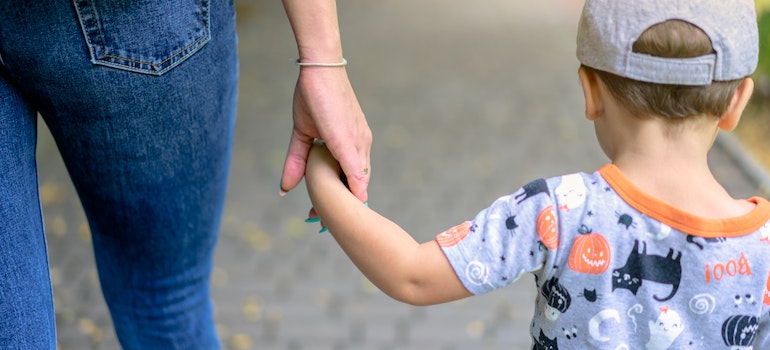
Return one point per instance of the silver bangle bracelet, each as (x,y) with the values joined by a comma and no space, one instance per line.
(316,64)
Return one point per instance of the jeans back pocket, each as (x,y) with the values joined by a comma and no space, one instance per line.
(145,36)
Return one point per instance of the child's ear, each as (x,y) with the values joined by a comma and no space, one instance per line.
(589,83)
(729,120)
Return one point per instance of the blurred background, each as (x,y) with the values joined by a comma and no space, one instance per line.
(467,102)
(754,130)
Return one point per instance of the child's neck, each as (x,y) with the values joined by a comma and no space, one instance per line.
(675,170)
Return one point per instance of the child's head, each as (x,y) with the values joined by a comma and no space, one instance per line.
(669,58)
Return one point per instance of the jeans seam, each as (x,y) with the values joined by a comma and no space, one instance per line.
(154,64)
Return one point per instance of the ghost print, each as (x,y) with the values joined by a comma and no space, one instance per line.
(571,192)
(665,329)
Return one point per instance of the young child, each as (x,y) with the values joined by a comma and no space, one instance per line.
(647,252)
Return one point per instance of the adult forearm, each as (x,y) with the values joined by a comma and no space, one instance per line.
(316,29)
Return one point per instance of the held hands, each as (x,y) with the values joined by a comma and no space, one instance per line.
(325,107)
(322,175)
(321,165)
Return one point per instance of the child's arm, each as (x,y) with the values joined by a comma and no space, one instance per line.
(407,271)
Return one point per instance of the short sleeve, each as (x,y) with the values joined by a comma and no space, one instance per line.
(508,239)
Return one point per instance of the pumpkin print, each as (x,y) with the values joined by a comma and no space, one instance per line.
(590,253)
(454,235)
(546,228)
(739,331)
(766,299)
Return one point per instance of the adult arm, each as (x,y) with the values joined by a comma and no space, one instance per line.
(388,256)
(325,106)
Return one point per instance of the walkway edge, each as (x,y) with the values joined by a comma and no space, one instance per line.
(735,150)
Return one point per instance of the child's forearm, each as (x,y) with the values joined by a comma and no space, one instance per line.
(402,268)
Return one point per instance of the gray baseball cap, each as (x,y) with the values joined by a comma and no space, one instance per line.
(609,28)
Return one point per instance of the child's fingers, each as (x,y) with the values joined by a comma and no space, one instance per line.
(312,217)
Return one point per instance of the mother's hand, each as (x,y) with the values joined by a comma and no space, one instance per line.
(325,107)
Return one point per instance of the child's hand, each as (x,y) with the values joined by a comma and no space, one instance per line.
(322,170)
(321,164)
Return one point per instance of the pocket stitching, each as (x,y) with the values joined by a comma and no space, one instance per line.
(109,59)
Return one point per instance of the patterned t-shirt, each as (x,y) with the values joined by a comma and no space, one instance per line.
(618,269)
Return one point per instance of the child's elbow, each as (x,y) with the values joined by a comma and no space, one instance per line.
(411,299)
(421,302)
(414,294)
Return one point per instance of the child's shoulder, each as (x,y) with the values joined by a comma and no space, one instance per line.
(571,186)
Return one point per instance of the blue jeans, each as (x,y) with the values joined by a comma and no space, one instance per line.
(140,97)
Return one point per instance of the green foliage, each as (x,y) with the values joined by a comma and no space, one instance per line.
(762,5)
(763,22)
(762,75)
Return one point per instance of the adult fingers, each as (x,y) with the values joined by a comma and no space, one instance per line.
(355,163)
(296,159)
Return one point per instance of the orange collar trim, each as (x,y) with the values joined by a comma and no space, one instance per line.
(682,220)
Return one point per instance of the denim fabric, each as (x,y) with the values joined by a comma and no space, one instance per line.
(170,31)
(139,96)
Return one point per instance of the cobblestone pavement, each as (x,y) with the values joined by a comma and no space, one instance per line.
(467,102)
